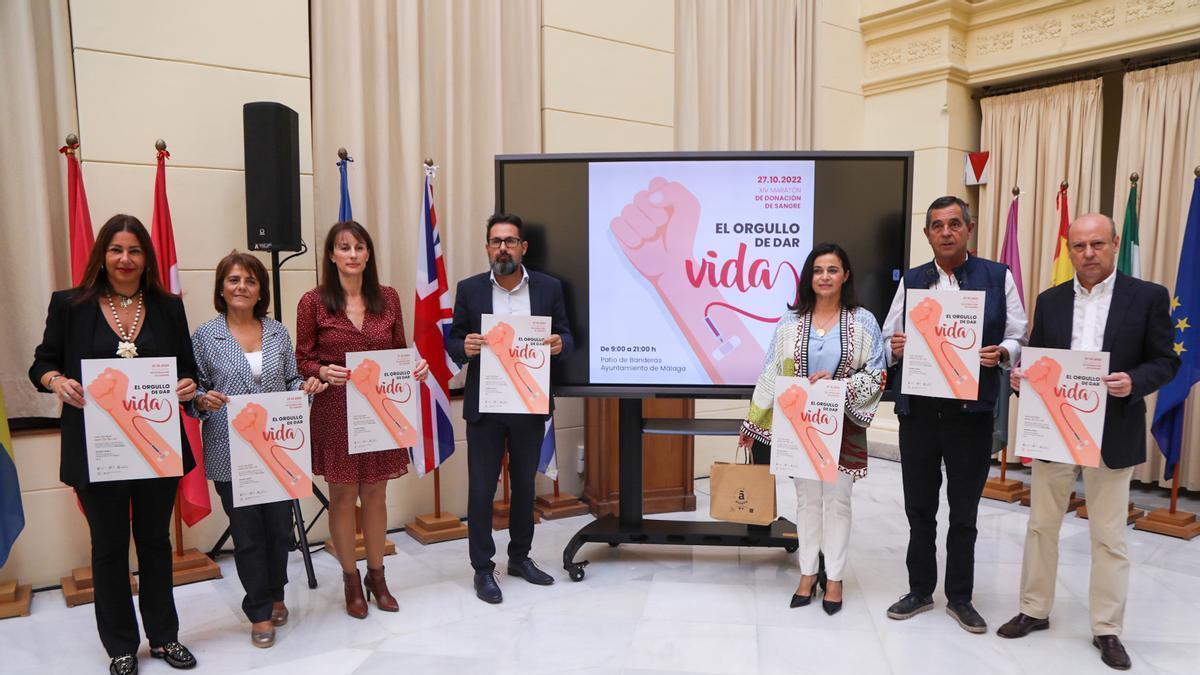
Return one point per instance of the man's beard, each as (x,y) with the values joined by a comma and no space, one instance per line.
(504,268)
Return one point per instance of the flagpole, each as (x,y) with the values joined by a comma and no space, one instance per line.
(161,146)
(432,527)
(1171,521)
(1016,192)
(429,166)
(437,494)
(188,564)
(1004,489)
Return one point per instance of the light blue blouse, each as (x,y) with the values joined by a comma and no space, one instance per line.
(824,352)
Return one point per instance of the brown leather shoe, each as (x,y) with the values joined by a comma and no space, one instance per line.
(356,604)
(1112,652)
(1021,625)
(376,583)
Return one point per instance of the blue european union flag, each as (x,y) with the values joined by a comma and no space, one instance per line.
(1185,304)
(12,515)
(344,211)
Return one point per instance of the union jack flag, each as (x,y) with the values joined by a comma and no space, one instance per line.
(432,324)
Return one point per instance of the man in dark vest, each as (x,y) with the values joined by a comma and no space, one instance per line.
(957,433)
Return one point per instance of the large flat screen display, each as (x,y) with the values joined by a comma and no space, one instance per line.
(676,267)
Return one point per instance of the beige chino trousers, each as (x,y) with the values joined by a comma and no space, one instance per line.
(1107,493)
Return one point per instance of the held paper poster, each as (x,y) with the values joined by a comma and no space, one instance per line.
(941,354)
(514,375)
(269,447)
(131,419)
(1060,416)
(710,277)
(382,408)
(806,438)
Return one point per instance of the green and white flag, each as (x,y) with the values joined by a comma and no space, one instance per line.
(1130,260)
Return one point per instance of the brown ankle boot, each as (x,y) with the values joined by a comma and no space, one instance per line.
(356,604)
(376,583)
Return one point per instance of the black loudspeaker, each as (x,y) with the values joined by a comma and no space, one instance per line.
(272,142)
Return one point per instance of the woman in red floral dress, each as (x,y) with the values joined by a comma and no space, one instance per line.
(351,312)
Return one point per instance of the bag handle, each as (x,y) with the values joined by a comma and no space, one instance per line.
(737,455)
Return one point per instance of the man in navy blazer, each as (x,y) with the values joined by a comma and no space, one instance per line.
(507,288)
(1099,310)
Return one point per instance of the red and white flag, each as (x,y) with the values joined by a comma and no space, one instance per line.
(432,325)
(80,219)
(194,503)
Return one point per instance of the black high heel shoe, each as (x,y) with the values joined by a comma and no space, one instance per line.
(803,600)
(830,606)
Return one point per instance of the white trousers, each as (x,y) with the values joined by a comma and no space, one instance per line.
(823,524)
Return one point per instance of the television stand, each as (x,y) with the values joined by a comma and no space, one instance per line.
(629,527)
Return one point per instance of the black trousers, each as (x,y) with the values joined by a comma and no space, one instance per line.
(486,441)
(262,535)
(938,432)
(107,507)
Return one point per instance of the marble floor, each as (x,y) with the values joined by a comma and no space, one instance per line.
(659,609)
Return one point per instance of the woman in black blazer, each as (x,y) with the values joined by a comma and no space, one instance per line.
(120,309)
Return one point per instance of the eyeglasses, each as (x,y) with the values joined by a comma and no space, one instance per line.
(511,242)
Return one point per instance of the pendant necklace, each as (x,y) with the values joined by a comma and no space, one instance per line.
(126,348)
(828,324)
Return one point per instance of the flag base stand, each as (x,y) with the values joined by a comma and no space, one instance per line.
(432,528)
(77,589)
(553,506)
(1005,490)
(500,509)
(360,547)
(15,599)
(1131,516)
(1181,524)
(1073,503)
(191,566)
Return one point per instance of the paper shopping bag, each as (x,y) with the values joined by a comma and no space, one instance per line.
(742,493)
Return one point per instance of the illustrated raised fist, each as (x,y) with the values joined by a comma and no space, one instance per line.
(365,377)
(500,338)
(1043,376)
(925,315)
(251,423)
(792,401)
(657,230)
(109,389)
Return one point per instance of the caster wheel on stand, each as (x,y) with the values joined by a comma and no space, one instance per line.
(576,572)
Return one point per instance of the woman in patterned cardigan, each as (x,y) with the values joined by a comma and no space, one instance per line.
(243,351)
(826,335)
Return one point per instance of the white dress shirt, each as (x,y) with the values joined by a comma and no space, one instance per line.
(1014,324)
(1091,314)
(514,302)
